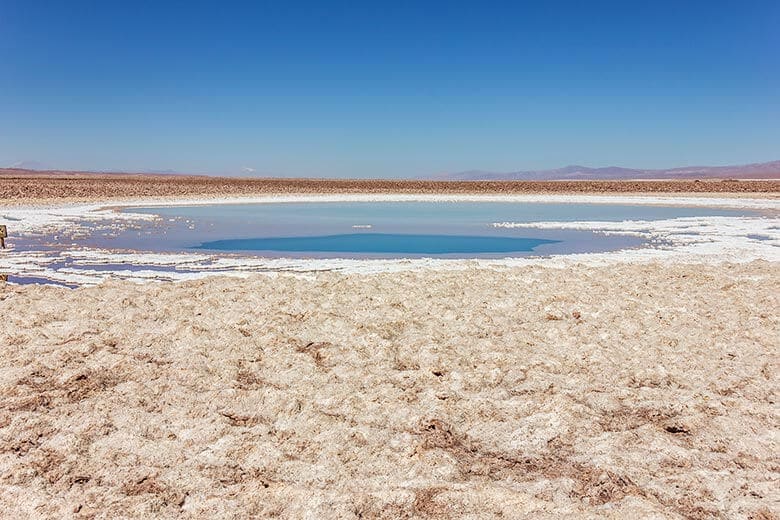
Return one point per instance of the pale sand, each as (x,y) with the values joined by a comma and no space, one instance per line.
(624,391)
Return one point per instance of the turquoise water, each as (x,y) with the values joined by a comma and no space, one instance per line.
(383,243)
(227,234)
(390,229)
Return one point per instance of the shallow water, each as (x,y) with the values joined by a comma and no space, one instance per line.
(187,242)
(390,229)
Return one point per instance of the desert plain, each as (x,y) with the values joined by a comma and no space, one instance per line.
(633,390)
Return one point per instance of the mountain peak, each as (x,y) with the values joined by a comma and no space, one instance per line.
(767,170)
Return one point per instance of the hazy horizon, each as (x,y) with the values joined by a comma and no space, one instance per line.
(709,170)
(393,91)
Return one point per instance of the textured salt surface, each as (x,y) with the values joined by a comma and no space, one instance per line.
(628,391)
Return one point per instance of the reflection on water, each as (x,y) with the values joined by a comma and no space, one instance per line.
(243,236)
(307,229)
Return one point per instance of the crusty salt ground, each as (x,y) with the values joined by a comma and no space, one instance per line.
(625,391)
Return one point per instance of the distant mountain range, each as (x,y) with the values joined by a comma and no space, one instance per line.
(43,167)
(29,165)
(36,166)
(767,170)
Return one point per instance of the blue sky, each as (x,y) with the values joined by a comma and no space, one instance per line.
(387,89)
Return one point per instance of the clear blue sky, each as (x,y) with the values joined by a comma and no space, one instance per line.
(379,89)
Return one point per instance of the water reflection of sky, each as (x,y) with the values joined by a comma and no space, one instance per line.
(362,230)
(182,228)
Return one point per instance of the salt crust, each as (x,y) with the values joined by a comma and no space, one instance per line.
(634,390)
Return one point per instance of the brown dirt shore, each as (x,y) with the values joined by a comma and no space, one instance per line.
(20,186)
(631,391)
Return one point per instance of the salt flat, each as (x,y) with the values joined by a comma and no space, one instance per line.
(637,383)
(619,391)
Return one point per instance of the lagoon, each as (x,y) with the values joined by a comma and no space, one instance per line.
(391,229)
